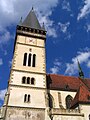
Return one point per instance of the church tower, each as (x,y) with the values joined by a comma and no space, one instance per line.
(25,97)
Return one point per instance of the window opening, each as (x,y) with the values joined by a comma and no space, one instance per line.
(34,60)
(32,81)
(68,101)
(29,60)
(25,98)
(28,98)
(28,80)
(24,80)
(25,59)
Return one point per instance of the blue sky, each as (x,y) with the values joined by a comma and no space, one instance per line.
(68,35)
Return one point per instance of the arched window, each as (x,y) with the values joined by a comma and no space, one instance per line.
(28,80)
(28,98)
(69,99)
(34,60)
(32,81)
(25,98)
(25,59)
(24,80)
(29,59)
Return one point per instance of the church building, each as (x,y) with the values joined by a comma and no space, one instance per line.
(32,94)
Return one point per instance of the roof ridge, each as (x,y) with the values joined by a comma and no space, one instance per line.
(79,97)
(84,83)
(31,21)
(63,75)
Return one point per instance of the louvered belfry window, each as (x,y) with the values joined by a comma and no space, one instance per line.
(29,60)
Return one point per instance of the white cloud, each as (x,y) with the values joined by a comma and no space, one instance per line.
(56,67)
(66,5)
(12,10)
(83,57)
(10,63)
(85,10)
(88,27)
(64,27)
(2,94)
(5,52)
(1,61)
(48,24)
(5,37)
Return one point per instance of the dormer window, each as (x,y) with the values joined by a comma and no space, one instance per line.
(67,87)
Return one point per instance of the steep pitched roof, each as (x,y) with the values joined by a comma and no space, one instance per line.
(68,83)
(31,21)
(82,96)
(63,82)
(60,82)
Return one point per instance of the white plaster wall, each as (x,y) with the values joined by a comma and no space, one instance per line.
(16,79)
(54,93)
(86,110)
(27,40)
(64,94)
(19,55)
(37,97)
(68,117)
(55,96)
(25,114)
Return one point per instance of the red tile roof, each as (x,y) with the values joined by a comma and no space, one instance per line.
(82,96)
(68,83)
(60,82)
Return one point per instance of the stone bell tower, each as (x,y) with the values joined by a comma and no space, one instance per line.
(25,97)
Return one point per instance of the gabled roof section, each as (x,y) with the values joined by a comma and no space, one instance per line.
(82,96)
(31,21)
(67,83)
(60,82)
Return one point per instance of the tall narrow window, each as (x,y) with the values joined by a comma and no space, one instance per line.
(24,80)
(34,60)
(69,99)
(28,98)
(29,60)
(25,98)
(28,80)
(32,81)
(25,59)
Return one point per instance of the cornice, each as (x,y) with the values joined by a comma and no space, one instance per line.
(30,45)
(20,86)
(28,34)
(28,71)
(20,108)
